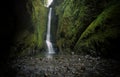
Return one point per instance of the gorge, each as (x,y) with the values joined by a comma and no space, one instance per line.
(86,34)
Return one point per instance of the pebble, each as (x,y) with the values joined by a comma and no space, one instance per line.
(69,66)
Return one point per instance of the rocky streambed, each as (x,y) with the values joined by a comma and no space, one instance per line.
(66,66)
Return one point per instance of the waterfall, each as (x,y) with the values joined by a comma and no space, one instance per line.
(48,3)
(48,41)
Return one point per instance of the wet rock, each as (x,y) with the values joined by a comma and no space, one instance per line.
(46,75)
(64,66)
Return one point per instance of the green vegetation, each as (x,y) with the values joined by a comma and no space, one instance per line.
(84,26)
(96,36)
(74,18)
(39,18)
(31,28)
(88,26)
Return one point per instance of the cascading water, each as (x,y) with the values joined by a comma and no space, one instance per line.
(48,41)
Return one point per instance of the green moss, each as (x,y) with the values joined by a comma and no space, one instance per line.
(104,27)
(88,26)
(74,18)
(30,34)
(99,22)
(39,18)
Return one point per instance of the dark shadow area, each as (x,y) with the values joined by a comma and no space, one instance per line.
(12,14)
(7,30)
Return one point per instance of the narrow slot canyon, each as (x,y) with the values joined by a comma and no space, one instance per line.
(60,38)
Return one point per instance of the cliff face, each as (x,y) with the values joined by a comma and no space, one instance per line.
(89,26)
(23,24)
(82,26)
(31,17)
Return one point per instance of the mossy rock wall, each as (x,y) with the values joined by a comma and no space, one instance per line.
(31,17)
(89,26)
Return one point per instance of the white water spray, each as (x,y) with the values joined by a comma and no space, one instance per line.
(48,41)
(48,3)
